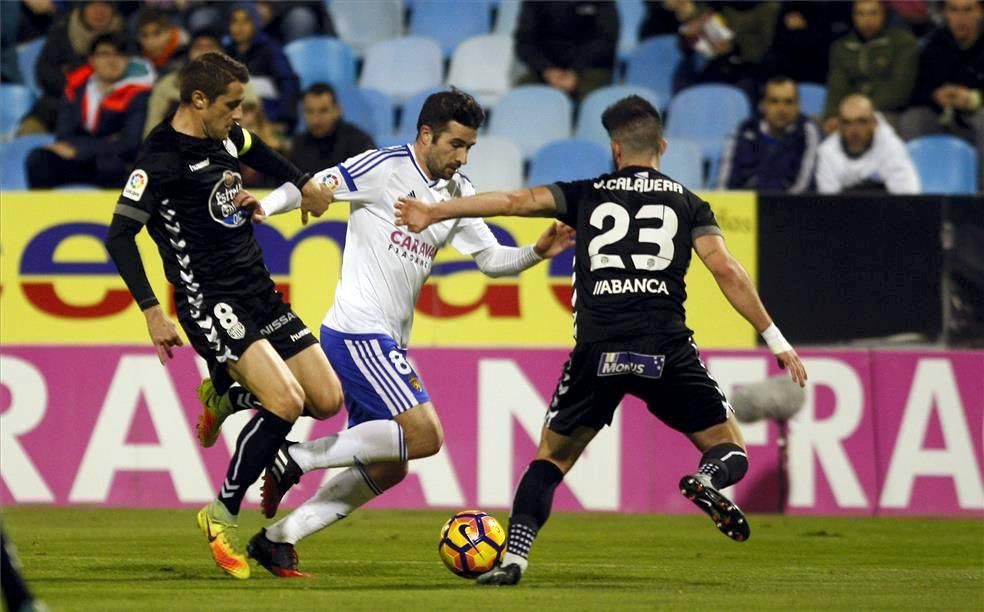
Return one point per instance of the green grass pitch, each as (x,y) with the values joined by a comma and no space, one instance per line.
(81,559)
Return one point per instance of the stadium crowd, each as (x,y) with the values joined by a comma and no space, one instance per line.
(895,87)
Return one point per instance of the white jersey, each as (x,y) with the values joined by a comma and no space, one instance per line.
(385,266)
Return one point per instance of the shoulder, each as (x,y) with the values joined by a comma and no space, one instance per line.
(351,130)
(375,160)
(901,36)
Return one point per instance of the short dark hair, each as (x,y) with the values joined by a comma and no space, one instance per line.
(211,74)
(445,106)
(780,79)
(634,123)
(116,39)
(321,89)
(149,15)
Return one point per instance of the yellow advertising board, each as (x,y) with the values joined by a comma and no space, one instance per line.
(58,285)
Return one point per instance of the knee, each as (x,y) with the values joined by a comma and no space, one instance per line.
(425,441)
(288,403)
(326,402)
(36,168)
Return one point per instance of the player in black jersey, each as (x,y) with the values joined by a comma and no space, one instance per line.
(187,188)
(635,231)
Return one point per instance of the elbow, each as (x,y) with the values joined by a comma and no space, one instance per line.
(729,273)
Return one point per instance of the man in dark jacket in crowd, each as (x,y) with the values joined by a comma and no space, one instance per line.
(568,45)
(776,152)
(100,120)
(329,139)
(270,72)
(950,84)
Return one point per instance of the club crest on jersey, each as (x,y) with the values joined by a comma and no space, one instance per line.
(635,364)
(135,185)
(222,201)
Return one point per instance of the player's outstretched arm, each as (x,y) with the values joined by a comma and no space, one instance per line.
(736,285)
(502,260)
(531,202)
(122,246)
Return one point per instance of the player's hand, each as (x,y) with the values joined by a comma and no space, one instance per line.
(245,199)
(163,333)
(554,240)
(790,361)
(414,214)
(315,199)
(62,150)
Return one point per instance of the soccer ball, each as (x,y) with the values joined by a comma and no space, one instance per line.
(471,543)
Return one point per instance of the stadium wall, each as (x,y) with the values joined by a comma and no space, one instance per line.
(88,416)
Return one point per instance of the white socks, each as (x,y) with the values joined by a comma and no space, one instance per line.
(514,559)
(369,442)
(333,502)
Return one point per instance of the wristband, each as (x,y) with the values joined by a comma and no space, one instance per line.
(773,337)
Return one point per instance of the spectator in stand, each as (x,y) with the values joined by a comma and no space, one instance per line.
(776,152)
(661,19)
(256,122)
(804,33)
(289,20)
(874,60)
(99,121)
(725,42)
(166,96)
(865,154)
(66,49)
(161,43)
(269,71)
(568,45)
(329,139)
(948,92)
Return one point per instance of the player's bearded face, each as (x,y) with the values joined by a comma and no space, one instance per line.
(221,113)
(448,150)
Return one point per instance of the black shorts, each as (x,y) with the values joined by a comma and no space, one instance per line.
(666,373)
(225,326)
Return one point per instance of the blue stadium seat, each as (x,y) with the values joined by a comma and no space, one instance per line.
(506,17)
(812,98)
(27,59)
(13,175)
(569,160)
(588,124)
(495,164)
(631,13)
(15,101)
(407,132)
(483,66)
(531,116)
(360,27)
(321,59)
(946,164)
(400,67)
(684,163)
(448,22)
(652,63)
(369,109)
(706,114)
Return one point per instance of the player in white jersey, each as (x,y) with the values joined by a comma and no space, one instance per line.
(366,331)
